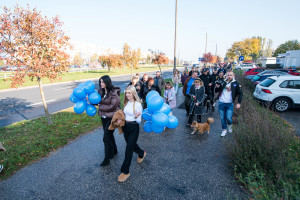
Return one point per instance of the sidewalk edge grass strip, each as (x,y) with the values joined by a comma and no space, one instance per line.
(264,150)
(73,76)
(29,141)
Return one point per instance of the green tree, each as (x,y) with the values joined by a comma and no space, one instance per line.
(287,46)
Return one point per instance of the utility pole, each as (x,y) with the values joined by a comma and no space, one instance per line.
(206,43)
(205,50)
(175,37)
(216,49)
(178,57)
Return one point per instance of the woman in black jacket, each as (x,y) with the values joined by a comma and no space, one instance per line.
(146,88)
(197,94)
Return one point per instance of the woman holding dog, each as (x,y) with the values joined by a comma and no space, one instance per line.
(132,110)
(109,104)
(197,93)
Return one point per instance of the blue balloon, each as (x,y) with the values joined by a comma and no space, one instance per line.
(94,98)
(147,127)
(160,119)
(146,115)
(81,85)
(155,103)
(165,109)
(151,94)
(89,87)
(79,93)
(80,107)
(91,110)
(74,99)
(157,129)
(173,122)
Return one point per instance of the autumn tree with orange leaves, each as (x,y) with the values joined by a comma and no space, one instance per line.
(159,58)
(208,57)
(111,61)
(27,38)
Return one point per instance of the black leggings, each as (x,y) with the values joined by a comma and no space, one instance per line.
(131,133)
(187,103)
(110,147)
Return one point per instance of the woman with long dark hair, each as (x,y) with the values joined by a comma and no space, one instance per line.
(110,103)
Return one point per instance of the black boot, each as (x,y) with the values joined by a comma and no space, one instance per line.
(105,162)
(199,118)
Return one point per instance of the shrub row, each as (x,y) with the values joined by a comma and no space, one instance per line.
(264,150)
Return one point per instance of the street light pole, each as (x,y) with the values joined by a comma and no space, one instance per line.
(175,37)
(206,43)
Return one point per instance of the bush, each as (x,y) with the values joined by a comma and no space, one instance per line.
(264,151)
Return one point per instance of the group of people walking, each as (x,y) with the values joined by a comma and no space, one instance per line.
(203,88)
(198,86)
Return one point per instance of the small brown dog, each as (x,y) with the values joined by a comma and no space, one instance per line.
(201,128)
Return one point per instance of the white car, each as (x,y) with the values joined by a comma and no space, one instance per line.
(245,66)
(279,92)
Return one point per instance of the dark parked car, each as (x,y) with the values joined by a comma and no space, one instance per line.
(259,78)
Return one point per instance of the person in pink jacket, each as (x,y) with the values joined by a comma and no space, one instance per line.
(169,95)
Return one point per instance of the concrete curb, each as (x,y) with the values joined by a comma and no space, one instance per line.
(60,83)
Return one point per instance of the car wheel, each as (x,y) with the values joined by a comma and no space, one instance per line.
(282,104)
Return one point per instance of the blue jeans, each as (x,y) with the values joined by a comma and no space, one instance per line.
(226,112)
(176,88)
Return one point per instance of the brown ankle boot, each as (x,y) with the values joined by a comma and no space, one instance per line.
(123,177)
(140,160)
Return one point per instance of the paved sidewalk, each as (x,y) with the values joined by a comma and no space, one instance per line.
(178,166)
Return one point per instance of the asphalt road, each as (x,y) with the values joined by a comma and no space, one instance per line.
(178,165)
(26,103)
(293,117)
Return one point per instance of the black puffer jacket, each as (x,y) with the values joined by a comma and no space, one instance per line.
(145,90)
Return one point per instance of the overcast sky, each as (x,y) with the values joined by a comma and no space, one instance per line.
(149,24)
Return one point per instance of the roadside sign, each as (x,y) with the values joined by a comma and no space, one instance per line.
(241,58)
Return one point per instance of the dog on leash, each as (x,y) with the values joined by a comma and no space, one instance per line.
(202,127)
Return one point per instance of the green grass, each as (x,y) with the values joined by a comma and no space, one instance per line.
(28,141)
(72,76)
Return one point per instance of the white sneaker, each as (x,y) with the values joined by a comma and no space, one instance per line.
(224,132)
(229,128)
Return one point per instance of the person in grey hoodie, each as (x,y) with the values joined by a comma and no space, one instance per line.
(159,81)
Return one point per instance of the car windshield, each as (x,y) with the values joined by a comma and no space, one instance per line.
(267,82)
(256,78)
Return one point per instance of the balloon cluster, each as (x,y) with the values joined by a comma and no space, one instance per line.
(157,115)
(79,98)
